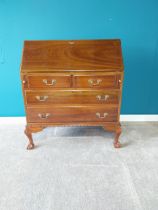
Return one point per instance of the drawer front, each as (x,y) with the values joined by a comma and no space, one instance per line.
(72,97)
(108,81)
(71,114)
(49,81)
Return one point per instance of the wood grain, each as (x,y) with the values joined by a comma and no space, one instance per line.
(60,81)
(71,114)
(71,97)
(72,83)
(109,81)
(67,55)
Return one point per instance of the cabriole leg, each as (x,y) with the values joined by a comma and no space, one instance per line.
(117,135)
(29,135)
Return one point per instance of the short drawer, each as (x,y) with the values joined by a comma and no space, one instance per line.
(71,97)
(62,114)
(49,81)
(107,81)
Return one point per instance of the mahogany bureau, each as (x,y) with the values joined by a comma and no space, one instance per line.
(72,83)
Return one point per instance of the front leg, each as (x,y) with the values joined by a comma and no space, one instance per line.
(118,133)
(28,131)
(114,128)
(29,135)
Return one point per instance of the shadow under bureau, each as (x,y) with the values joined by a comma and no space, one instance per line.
(72,83)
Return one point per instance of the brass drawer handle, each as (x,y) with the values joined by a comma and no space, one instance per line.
(53,82)
(41,98)
(93,82)
(100,116)
(43,116)
(102,97)
(71,42)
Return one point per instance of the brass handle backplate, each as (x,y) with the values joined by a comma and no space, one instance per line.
(41,98)
(102,97)
(95,82)
(43,116)
(51,83)
(99,115)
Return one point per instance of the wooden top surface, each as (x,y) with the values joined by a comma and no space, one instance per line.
(81,55)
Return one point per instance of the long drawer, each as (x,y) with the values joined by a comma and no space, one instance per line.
(71,114)
(71,97)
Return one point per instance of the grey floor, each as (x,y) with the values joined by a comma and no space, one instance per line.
(78,169)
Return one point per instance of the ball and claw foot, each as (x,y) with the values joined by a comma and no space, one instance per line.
(30,146)
(28,133)
(117,144)
(116,141)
